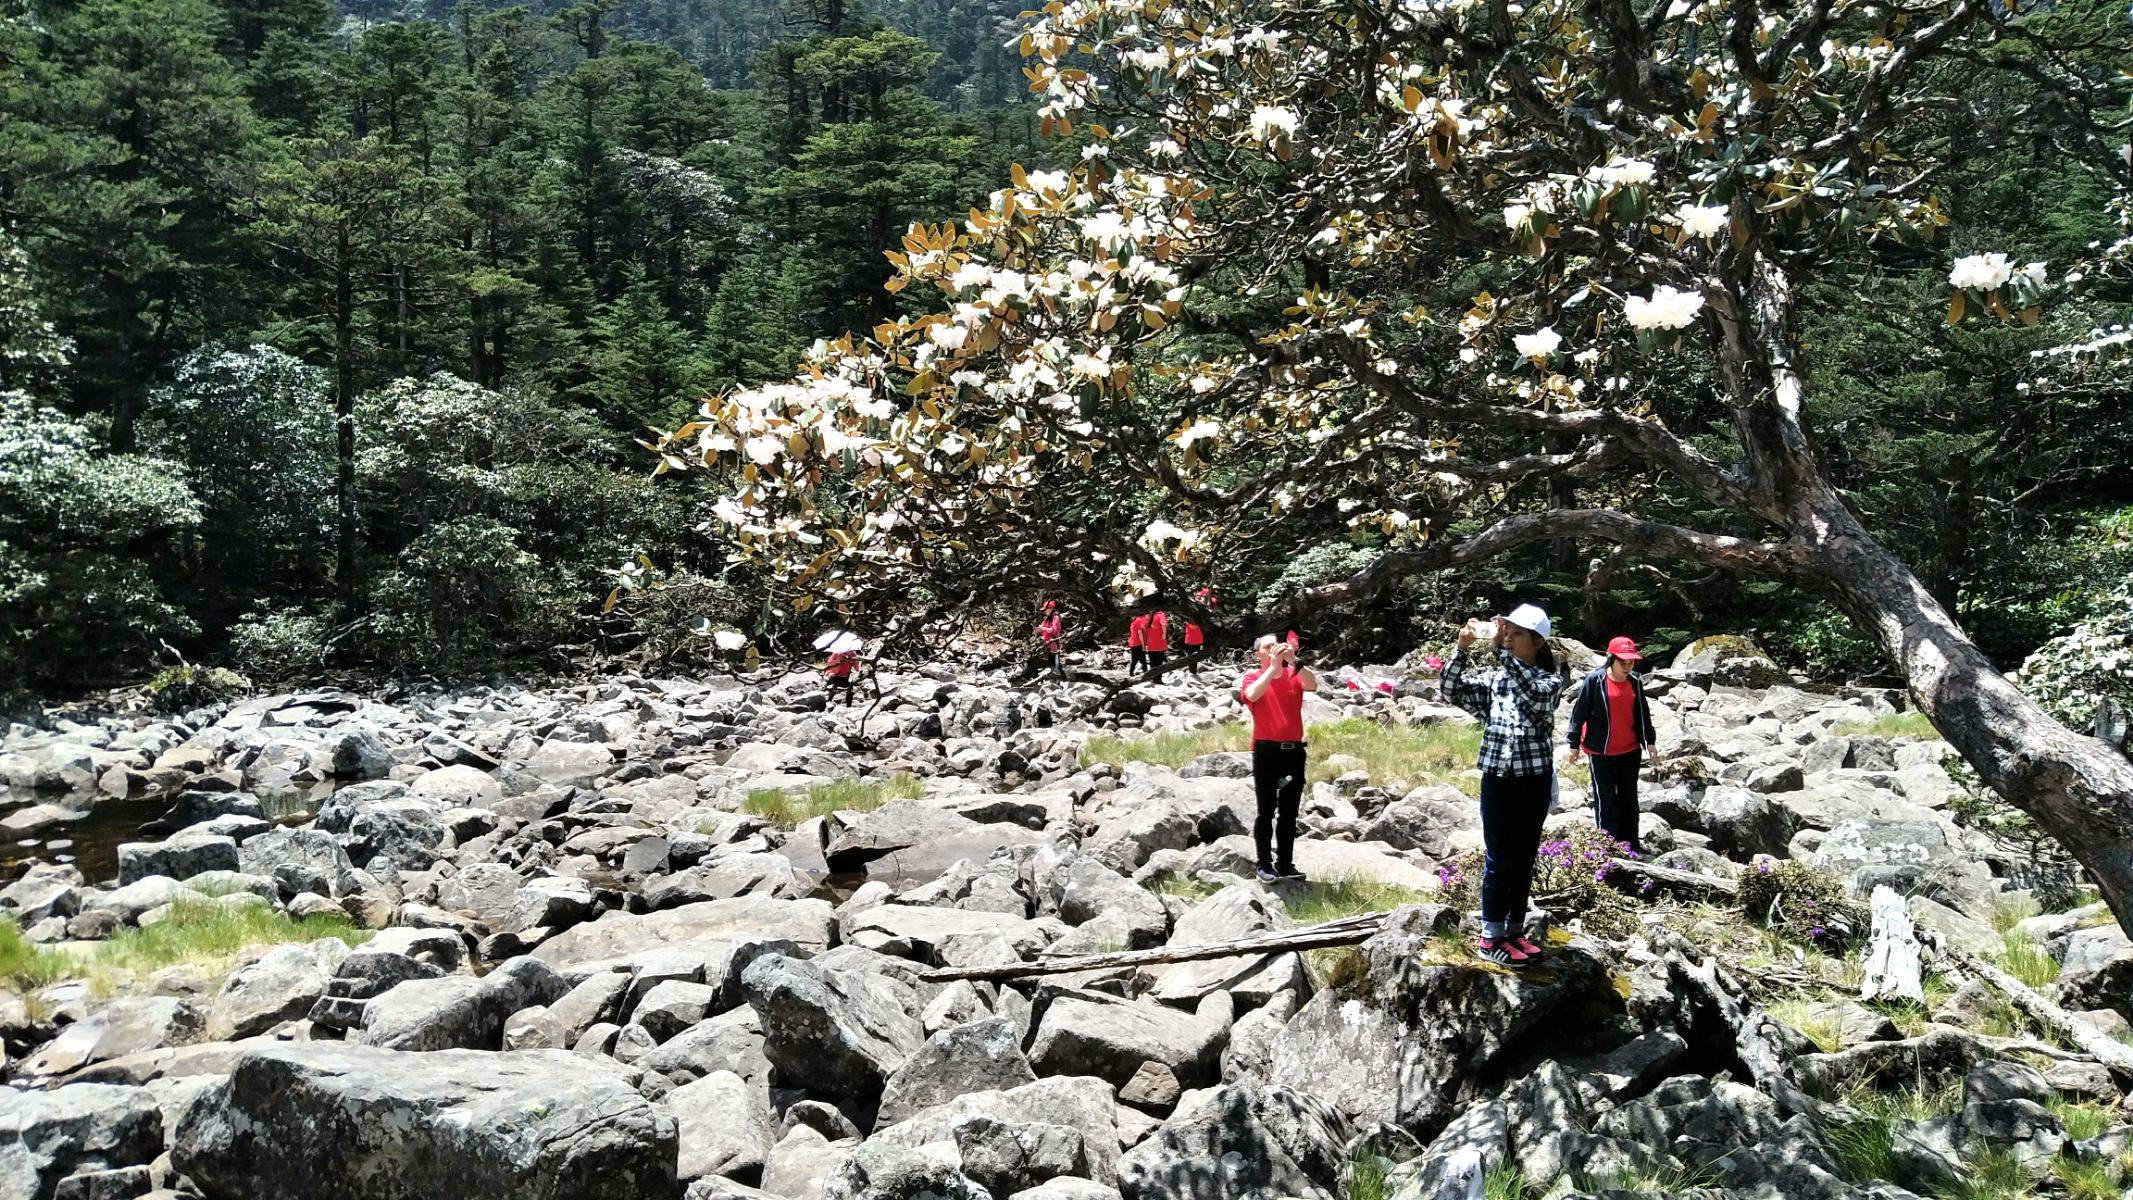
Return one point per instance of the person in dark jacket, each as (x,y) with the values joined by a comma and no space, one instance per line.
(1611,721)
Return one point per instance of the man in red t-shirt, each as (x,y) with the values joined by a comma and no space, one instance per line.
(1194,636)
(1155,638)
(1274,694)
(1137,642)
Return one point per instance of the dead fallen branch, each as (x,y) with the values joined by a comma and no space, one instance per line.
(2087,1038)
(1686,881)
(1347,931)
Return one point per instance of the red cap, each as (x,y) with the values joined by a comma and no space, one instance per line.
(1624,649)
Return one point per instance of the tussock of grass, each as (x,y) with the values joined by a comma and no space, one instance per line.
(2091,1180)
(1911,724)
(1170,883)
(1397,757)
(1866,1148)
(26,966)
(1664,1182)
(209,935)
(2027,961)
(2010,911)
(1818,1026)
(1994,1175)
(1323,900)
(785,810)
(1505,1182)
(2083,1119)
(1365,1177)
(197,932)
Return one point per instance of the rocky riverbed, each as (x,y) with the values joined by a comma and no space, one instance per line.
(665,938)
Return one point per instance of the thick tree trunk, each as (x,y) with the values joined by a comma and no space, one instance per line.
(2079,789)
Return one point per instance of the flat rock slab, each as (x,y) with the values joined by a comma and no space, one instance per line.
(809,924)
(396,1125)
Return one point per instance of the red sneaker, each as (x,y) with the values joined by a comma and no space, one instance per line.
(1502,952)
(1531,948)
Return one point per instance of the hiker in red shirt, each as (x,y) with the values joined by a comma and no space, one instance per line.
(1137,643)
(1274,694)
(837,672)
(1612,721)
(1050,632)
(1195,638)
(1155,639)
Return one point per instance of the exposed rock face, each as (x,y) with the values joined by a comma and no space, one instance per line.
(392,1125)
(56,1143)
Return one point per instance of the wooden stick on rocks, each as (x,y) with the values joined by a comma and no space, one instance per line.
(1347,931)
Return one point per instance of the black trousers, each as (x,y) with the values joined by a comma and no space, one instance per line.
(1278,779)
(1155,661)
(1512,810)
(1140,658)
(841,683)
(1614,791)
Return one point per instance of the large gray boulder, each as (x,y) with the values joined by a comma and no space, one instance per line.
(282,984)
(127,1025)
(179,857)
(1407,1044)
(1241,1142)
(1237,911)
(725,1127)
(877,1172)
(1088,888)
(73,1133)
(801,1161)
(458,1011)
(981,1056)
(840,1034)
(1739,822)
(299,860)
(1091,1033)
(725,876)
(1082,1103)
(809,924)
(389,1125)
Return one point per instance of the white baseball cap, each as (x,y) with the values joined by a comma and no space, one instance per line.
(1530,616)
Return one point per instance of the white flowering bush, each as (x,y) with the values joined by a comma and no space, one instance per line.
(2074,673)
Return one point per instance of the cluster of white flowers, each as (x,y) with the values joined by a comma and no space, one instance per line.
(1270,119)
(1981,272)
(1539,344)
(1624,172)
(1665,308)
(730,640)
(1203,429)
(1702,220)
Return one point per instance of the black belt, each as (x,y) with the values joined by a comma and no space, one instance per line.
(1280,745)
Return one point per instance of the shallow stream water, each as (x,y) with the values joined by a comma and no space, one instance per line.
(91,842)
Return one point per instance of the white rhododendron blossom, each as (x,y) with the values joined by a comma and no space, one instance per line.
(730,640)
(1270,119)
(764,449)
(1515,216)
(1699,220)
(1624,172)
(1981,272)
(1539,344)
(1665,308)
(948,337)
(1200,430)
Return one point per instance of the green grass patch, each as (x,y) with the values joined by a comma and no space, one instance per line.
(26,966)
(1812,1021)
(1323,900)
(1865,1148)
(2083,1119)
(2010,911)
(206,934)
(1505,1182)
(1170,883)
(1365,1177)
(1912,724)
(2027,961)
(1994,1175)
(2090,1180)
(1397,757)
(786,810)
(1663,1182)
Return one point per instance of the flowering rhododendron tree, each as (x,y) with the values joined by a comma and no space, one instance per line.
(1443,269)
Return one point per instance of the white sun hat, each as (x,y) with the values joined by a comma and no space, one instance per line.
(1530,616)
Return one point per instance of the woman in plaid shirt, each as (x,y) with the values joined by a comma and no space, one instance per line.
(1515,700)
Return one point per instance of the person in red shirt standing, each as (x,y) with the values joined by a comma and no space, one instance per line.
(1195,637)
(1274,694)
(1612,722)
(837,672)
(1051,631)
(1155,638)
(1137,643)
